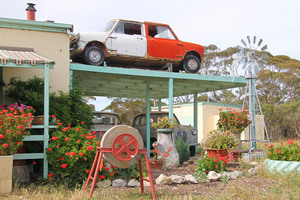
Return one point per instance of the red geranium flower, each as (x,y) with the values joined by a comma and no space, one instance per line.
(1,136)
(34,162)
(49,149)
(87,171)
(73,153)
(64,166)
(66,139)
(81,154)
(89,148)
(54,138)
(50,174)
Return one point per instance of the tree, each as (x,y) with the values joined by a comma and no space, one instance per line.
(127,108)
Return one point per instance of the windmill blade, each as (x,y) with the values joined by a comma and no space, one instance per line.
(254,39)
(264,48)
(235,63)
(249,41)
(243,41)
(240,54)
(240,48)
(260,41)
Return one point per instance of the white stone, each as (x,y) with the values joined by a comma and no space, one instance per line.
(177,179)
(254,163)
(213,176)
(190,178)
(235,174)
(103,184)
(119,183)
(133,183)
(186,163)
(226,174)
(163,180)
(146,183)
(253,171)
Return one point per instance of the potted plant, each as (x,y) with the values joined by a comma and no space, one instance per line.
(219,142)
(165,125)
(14,120)
(165,128)
(233,121)
(283,158)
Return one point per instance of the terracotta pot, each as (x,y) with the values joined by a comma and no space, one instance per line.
(217,152)
(156,164)
(38,120)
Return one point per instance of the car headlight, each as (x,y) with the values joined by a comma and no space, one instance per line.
(194,132)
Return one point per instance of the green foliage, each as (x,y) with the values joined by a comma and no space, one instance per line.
(218,139)
(233,121)
(71,153)
(13,123)
(290,151)
(164,123)
(283,120)
(131,172)
(206,164)
(183,150)
(70,108)
(30,92)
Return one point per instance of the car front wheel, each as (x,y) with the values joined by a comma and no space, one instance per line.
(191,64)
(93,56)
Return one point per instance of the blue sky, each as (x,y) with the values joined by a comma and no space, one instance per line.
(220,22)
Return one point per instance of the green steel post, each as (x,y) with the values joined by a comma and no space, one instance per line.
(46,118)
(71,80)
(159,105)
(252,112)
(196,110)
(1,87)
(148,116)
(171,98)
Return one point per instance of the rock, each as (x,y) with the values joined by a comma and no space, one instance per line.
(235,174)
(213,176)
(177,179)
(163,180)
(185,163)
(252,171)
(103,184)
(146,184)
(119,183)
(254,163)
(190,178)
(133,183)
(226,174)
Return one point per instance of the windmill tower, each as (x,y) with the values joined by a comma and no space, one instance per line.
(252,58)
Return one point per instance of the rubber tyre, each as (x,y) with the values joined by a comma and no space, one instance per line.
(191,64)
(93,56)
(192,151)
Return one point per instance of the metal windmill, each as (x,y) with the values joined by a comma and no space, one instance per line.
(252,58)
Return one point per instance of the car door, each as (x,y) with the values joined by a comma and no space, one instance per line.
(163,44)
(128,38)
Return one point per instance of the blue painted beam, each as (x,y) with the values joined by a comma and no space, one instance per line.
(171,98)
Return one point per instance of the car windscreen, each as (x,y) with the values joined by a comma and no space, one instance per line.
(154,117)
(106,119)
(109,26)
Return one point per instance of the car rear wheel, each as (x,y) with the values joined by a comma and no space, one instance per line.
(93,56)
(191,64)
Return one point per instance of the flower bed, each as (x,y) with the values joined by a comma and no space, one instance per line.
(285,157)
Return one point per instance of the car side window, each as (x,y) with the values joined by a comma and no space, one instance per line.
(160,32)
(136,121)
(143,120)
(128,28)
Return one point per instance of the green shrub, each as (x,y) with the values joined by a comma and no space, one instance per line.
(71,153)
(183,150)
